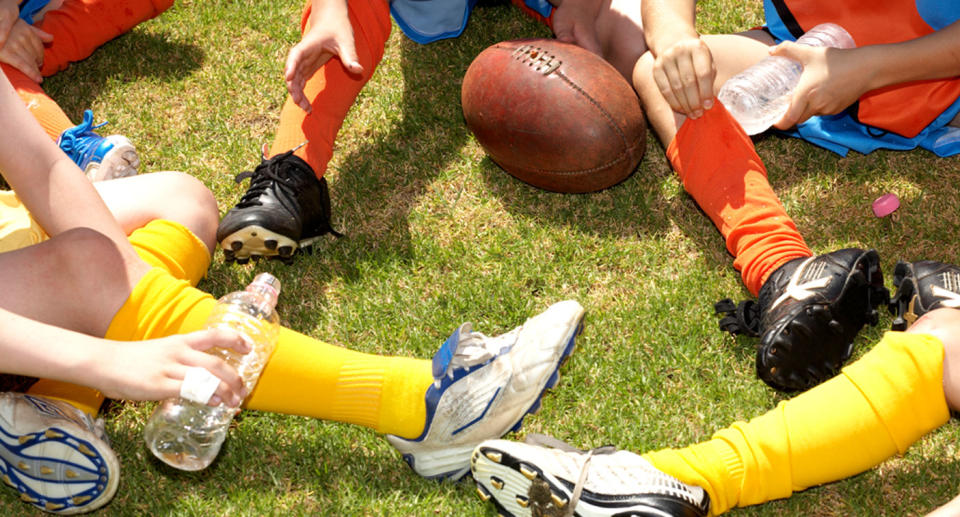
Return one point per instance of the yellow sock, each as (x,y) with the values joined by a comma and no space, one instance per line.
(304,376)
(874,409)
(311,378)
(83,398)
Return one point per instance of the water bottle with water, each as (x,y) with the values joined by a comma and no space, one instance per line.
(187,434)
(759,96)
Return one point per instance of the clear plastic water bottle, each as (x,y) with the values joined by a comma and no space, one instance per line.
(759,96)
(188,435)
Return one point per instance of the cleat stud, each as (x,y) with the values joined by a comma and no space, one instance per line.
(285,251)
(70,474)
(528,473)
(46,471)
(243,261)
(80,499)
(50,433)
(270,244)
(495,457)
(51,507)
(25,438)
(8,481)
(523,501)
(482,492)
(27,498)
(23,466)
(86,450)
(557,500)
(496,482)
(236,245)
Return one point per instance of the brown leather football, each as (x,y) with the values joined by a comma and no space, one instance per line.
(554,115)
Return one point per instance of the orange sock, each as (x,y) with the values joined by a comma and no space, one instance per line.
(332,90)
(81,26)
(53,120)
(720,169)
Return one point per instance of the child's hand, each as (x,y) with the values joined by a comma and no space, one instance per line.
(155,369)
(832,80)
(330,36)
(23,49)
(574,21)
(684,72)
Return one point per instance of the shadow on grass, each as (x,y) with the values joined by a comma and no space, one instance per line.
(374,188)
(132,56)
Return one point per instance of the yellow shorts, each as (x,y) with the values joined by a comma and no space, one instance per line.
(161,243)
(17,227)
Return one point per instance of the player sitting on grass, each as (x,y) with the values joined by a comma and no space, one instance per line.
(901,85)
(98,291)
(905,387)
(287,205)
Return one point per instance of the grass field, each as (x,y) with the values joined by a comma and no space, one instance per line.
(437,234)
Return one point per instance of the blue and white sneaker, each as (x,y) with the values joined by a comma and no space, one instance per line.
(526,480)
(55,455)
(100,158)
(485,386)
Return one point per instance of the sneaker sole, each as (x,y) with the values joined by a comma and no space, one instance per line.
(120,162)
(464,451)
(519,488)
(808,357)
(57,469)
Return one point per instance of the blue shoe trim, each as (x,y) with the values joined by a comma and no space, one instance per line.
(82,145)
(10,455)
(484,413)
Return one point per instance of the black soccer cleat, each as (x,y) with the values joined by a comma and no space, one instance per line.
(530,480)
(807,315)
(922,287)
(285,208)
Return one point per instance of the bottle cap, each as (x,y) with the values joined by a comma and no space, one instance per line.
(886,205)
(266,285)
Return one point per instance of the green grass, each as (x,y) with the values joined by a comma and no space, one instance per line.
(436,234)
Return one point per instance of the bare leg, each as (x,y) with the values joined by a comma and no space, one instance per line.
(620,31)
(945,325)
(175,196)
(76,280)
(732,53)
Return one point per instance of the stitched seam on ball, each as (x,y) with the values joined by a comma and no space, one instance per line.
(596,104)
(581,171)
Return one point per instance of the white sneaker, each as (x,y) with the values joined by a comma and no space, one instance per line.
(55,455)
(100,158)
(485,386)
(524,479)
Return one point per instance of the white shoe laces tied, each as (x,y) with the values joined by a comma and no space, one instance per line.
(549,441)
(475,348)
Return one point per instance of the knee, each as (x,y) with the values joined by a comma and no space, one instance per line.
(643,75)
(189,202)
(944,324)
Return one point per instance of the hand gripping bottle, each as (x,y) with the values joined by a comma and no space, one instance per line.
(759,96)
(187,434)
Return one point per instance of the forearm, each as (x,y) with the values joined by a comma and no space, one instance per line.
(329,8)
(38,350)
(667,21)
(935,56)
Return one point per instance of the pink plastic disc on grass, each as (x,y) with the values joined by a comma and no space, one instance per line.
(886,205)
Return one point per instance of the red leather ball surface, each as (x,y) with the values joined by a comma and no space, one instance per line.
(554,115)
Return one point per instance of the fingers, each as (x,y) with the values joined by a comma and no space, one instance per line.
(685,76)
(231,390)
(218,338)
(796,113)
